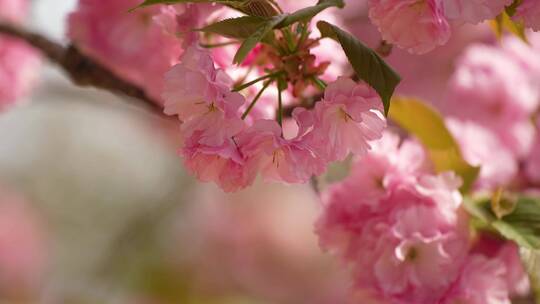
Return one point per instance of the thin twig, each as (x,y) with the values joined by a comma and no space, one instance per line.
(82,70)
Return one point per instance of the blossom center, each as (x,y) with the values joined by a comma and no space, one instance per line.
(344,115)
(276,156)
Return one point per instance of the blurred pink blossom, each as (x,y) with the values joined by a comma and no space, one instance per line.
(481,282)
(22,248)
(529,13)
(257,242)
(474,11)
(417,26)
(493,247)
(482,148)
(533,161)
(136,45)
(13,10)
(491,88)
(19,63)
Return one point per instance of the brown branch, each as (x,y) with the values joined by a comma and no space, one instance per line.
(82,70)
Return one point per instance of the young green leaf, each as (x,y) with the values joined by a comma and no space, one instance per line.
(308,13)
(366,63)
(428,126)
(239,28)
(264,29)
(522,225)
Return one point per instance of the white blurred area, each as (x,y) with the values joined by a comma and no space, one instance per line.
(119,211)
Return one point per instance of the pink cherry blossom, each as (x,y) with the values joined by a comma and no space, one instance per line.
(492,88)
(529,13)
(481,282)
(417,26)
(22,247)
(474,11)
(415,256)
(525,54)
(212,127)
(133,44)
(13,10)
(348,117)
(195,85)
(280,159)
(223,164)
(532,168)
(388,165)
(19,68)
(481,147)
(517,278)
(19,63)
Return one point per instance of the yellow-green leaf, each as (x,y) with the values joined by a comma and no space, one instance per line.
(428,126)
(504,23)
(531,261)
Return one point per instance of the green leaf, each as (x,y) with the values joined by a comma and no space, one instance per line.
(522,225)
(366,63)
(428,126)
(263,30)
(512,8)
(308,13)
(239,28)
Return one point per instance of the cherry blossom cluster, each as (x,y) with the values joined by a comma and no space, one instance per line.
(404,233)
(492,108)
(18,62)
(221,145)
(420,26)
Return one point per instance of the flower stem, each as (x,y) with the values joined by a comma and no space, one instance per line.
(216,45)
(320,83)
(303,36)
(265,86)
(246,85)
(280,107)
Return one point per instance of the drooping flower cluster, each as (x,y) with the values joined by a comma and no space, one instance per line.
(421,25)
(220,146)
(18,62)
(402,230)
(139,46)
